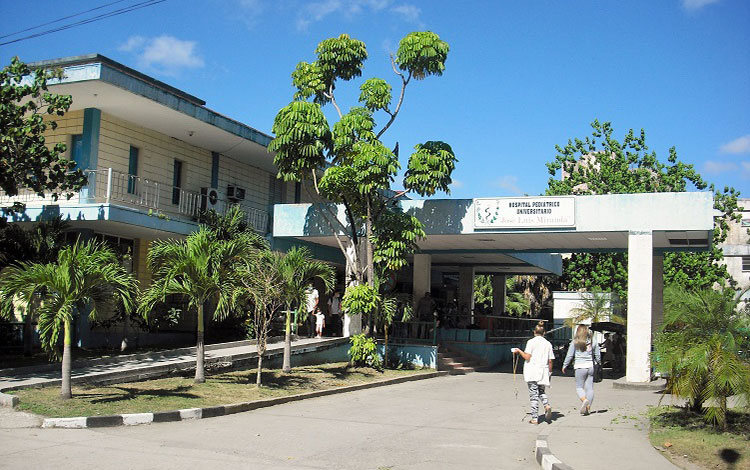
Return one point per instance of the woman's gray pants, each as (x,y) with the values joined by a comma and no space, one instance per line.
(585,384)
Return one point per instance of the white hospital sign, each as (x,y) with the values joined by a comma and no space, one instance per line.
(525,212)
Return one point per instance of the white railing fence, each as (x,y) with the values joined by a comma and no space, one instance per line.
(111,186)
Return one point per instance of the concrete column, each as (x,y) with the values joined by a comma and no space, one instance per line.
(640,289)
(657,295)
(422,276)
(498,294)
(465,289)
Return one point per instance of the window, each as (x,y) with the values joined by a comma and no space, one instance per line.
(132,169)
(176,182)
(76,148)
(746,263)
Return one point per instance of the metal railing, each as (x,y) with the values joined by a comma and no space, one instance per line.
(162,200)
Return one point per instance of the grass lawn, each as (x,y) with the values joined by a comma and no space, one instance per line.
(177,393)
(683,433)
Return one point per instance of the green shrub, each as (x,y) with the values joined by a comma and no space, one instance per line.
(364,352)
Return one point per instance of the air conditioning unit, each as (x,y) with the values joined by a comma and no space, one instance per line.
(235,193)
(210,197)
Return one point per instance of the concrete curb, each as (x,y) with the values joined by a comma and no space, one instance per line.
(152,372)
(221,410)
(657,385)
(544,456)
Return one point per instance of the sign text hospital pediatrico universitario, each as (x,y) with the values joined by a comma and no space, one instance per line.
(524,212)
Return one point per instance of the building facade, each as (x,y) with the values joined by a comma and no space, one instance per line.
(155,158)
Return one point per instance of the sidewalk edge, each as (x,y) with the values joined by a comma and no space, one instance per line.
(133,419)
(544,456)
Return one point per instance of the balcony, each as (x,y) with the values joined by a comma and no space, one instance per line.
(107,186)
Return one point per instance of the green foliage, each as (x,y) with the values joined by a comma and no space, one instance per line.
(395,235)
(600,164)
(364,352)
(430,168)
(355,126)
(28,162)
(422,54)
(375,94)
(341,57)
(360,299)
(700,345)
(353,165)
(302,140)
(596,306)
(515,302)
(40,243)
(84,274)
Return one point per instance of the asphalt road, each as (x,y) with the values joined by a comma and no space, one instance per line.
(457,422)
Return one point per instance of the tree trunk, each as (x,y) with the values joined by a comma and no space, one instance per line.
(370,268)
(200,375)
(260,367)
(65,390)
(385,347)
(124,343)
(28,333)
(287,366)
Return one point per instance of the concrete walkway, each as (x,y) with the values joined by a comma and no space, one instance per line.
(613,436)
(146,365)
(456,422)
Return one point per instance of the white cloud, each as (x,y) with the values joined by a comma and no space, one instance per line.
(456,184)
(164,53)
(509,183)
(713,167)
(693,5)
(409,13)
(746,170)
(738,145)
(133,43)
(250,11)
(317,11)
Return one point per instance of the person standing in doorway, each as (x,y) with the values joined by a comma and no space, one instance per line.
(584,351)
(334,311)
(425,311)
(312,306)
(537,370)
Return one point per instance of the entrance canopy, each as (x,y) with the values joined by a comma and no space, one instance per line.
(505,231)
(525,234)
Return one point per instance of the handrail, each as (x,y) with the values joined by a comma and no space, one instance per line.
(108,186)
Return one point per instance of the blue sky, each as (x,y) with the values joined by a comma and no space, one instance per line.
(520,78)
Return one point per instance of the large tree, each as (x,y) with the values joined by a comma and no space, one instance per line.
(83,275)
(600,164)
(348,163)
(26,161)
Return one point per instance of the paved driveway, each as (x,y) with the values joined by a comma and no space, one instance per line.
(456,422)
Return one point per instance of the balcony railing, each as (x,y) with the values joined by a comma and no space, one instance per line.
(107,186)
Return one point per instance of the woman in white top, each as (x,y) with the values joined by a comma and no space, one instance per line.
(537,368)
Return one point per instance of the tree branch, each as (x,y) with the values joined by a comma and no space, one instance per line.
(404,82)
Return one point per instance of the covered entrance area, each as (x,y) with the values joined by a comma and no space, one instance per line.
(503,236)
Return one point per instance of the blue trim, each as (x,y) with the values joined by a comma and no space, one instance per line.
(214,170)
(90,141)
(104,212)
(320,252)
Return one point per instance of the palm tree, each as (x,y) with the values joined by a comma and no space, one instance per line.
(264,287)
(202,268)
(39,244)
(298,270)
(700,346)
(84,274)
(595,307)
